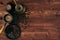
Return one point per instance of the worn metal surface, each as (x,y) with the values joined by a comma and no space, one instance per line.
(43,22)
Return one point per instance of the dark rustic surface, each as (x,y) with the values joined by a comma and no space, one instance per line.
(43,22)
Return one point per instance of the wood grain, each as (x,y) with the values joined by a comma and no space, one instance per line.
(43,22)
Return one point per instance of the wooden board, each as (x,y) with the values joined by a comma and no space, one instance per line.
(43,22)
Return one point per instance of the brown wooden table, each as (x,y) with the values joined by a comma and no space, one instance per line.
(43,22)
